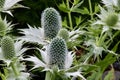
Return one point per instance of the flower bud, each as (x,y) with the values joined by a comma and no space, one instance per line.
(7,45)
(112,19)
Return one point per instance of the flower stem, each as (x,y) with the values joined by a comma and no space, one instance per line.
(91,12)
(48,77)
(14,69)
(69,15)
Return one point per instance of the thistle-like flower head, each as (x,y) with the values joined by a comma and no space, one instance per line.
(51,22)
(63,33)
(109,19)
(55,55)
(112,3)
(57,52)
(8,49)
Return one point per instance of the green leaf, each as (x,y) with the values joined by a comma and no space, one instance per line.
(77,6)
(86,67)
(95,76)
(81,11)
(2,76)
(78,20)
(109,59)
(116,47)
(63,7)
(97,9)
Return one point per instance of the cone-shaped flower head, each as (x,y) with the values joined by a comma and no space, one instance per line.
(57,52)
(51,22)
(2,27)
(111,19)
(1,4)
(7,45)
(63,33)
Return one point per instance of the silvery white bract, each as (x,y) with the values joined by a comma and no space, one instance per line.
(33,34)
(46,65)
(5,5)
(74,34)
(5,26)
(112,3)
(22,74)
(96,50)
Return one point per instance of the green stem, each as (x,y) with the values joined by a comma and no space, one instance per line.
(14,69)
(91,12)
(48,76)
(69,15)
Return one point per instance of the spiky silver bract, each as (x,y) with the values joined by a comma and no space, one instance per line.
(51,22)
(57,52)
(7,45)
(63,33)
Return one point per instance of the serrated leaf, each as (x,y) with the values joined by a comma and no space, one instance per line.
(78,20)
(81,11)
(77,6)
(63,7)
(109,59)
(95,76)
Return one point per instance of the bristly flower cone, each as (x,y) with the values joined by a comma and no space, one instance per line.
(7,45)
(63,33)
(57,52)
(51,22)
(2,27)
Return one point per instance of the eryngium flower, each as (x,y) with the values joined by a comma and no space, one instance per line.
(2,27)
(7,45)
(57,52)
(51,22)
(63,33)
(2,4)
(55,56)
(109,19)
